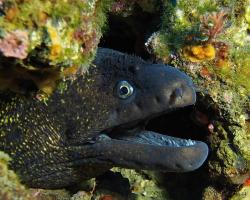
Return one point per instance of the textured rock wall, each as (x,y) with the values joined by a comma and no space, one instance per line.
(207,39)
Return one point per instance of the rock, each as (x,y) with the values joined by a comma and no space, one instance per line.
(10,187)
(67,42)
(44,42)
(242,194)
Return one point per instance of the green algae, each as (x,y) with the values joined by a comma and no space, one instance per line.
(211,193)
(247,15)
(142,186)
(41,194)
(60,37)
(226,86)
(242,194)
(184,28)
(10,187)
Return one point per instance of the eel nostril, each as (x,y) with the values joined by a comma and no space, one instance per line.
(176,95)
(139,105)
(178,92)
(178,166)
(157,99)
(118,110)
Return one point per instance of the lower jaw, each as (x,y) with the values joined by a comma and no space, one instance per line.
(142,149)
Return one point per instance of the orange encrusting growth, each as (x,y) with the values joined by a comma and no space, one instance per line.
(70,71)
(199,53)
(247,182)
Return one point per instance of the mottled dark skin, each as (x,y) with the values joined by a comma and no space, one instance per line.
(89,128)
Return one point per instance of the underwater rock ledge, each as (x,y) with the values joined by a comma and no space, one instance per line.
(209,40)
(45,42)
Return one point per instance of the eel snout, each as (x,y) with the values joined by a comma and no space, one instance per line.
(169,87)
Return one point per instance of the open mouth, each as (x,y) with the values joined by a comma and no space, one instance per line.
(152,144)
(143,132)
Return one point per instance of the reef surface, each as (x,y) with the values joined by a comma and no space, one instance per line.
(45,42)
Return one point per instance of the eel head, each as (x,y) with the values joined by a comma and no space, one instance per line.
(144,91)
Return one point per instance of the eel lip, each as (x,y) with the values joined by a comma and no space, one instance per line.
(152,151)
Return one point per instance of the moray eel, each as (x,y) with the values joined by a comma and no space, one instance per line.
(99,122)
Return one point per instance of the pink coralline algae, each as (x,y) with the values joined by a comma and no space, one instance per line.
(118,6)
(15,44)
(122,5)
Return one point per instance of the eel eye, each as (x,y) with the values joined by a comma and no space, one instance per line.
(124,90)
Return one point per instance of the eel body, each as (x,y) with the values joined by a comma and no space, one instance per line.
(99,122)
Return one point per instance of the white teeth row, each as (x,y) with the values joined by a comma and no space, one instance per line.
(102,137)
(154,139)
(172,143)
(165,141)
(179,143)
(190,142)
